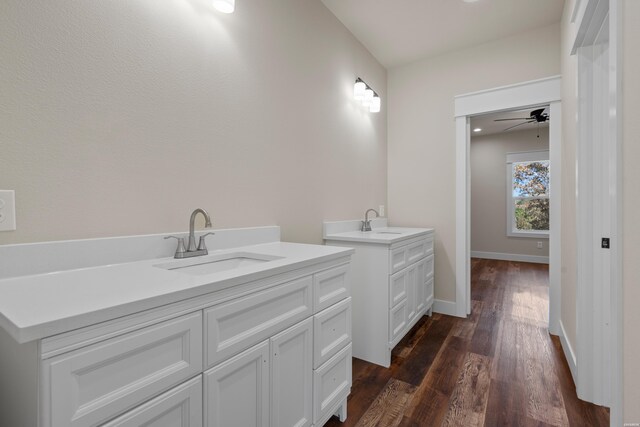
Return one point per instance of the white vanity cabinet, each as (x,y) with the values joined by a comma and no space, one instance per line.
(272,352)
(392,284)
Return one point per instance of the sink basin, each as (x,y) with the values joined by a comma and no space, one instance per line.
(216,263)
(388,232)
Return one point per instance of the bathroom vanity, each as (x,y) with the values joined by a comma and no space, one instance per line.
(392,282)
(257,333)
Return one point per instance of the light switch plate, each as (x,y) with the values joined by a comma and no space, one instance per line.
(7,210)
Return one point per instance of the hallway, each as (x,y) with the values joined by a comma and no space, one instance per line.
(498,367)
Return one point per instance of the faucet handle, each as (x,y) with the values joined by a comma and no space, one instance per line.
(180,250)
(201,244)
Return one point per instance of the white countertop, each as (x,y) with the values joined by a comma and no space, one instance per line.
(41,305)
(382,235)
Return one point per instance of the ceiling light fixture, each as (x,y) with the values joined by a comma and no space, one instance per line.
(369,98)
(225,6)
(477,130)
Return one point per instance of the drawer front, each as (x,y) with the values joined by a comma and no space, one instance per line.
(330,286)
(428,269)
(397,259)
(331,331)
(237,325)
(397,288)
(331,383)
(179,407)
(429,293)
(92,385)
(397,322)
(416,251)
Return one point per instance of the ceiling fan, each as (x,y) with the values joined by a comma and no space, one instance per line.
(537,116)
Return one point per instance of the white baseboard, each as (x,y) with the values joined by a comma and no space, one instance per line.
(569,354)
(445,307)
(511,257)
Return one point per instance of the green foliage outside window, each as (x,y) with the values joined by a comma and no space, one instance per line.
(531,195)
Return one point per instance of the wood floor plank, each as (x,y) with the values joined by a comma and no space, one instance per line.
(388,408)
(468,401)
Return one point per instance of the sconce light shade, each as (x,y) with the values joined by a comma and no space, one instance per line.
(368,97)
(358,90)
(225,6)
(375,104)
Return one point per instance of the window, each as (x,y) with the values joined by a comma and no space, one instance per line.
(528,194)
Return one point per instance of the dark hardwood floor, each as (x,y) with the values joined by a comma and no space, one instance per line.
(498,367)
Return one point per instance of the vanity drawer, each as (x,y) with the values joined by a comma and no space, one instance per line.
(330,286)
(179,407)
(238,324)
(429,290)
(397,322)
(331,383)
(397,259)
(416,251)
(428,267)
(397,288)
(94,384)
(331,331)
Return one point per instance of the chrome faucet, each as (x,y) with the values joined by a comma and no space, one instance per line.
(191,249)
(366,224)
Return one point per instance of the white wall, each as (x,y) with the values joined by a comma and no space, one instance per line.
(489,191)
(120,117)
(421,127)
(631,206)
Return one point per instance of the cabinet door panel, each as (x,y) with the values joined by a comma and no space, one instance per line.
(92,385)
(179,407)
(429,293)
(412,278)
(421,287)
(237,325)
(429,266)
(237,391)
(292,376)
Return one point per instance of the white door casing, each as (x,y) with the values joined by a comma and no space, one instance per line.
(518,96)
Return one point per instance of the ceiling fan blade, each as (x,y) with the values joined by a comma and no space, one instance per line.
(519,118)
(519,124)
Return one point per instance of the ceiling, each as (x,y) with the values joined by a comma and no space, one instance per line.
(397,32)
(489,126)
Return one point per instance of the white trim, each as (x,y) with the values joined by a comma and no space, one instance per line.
(555,219)
(522,95)
(445,307)
(532,93)
(615,133)
(569,354)
(511,257)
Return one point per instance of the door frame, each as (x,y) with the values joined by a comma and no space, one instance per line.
(517,96)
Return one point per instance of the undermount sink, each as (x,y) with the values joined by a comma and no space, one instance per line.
(387,232)
(216,263)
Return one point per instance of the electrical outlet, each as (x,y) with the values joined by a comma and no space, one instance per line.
(381,210)
(7,210)
(539,245)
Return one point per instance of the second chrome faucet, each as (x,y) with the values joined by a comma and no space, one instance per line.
(366,224)
(191,249)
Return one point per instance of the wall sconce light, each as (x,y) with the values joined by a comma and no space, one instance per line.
(362,92)
(225,6)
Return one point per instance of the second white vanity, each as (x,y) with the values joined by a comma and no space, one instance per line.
(257,333)
(392,282)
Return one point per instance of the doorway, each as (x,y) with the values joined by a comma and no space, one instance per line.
(520,96)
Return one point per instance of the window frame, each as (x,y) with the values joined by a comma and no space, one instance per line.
(523,157)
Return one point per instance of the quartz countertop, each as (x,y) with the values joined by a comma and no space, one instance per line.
(383,235)
(42,305)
